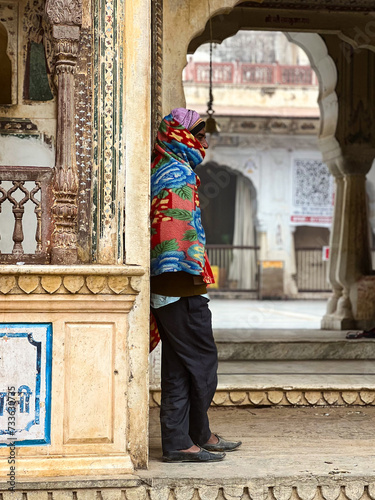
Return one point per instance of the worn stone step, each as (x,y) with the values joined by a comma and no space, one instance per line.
(292,383)
(282,344)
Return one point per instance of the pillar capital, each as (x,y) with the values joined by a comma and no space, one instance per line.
(356,159)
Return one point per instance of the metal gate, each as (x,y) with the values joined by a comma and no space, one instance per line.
(312,271)
(222,256)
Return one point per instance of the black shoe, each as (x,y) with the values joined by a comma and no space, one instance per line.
(222,445)
(186,456)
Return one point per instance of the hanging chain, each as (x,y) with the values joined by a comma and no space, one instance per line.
(211,97)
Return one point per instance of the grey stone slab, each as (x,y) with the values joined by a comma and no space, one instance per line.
(317,367)
(237,335)
(306,375)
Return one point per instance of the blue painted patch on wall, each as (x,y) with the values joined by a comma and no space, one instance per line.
(25,383)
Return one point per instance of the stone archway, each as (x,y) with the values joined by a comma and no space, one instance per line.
(311,43)
(325,69)
(347,132)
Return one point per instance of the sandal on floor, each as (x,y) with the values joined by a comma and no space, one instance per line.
(365,334)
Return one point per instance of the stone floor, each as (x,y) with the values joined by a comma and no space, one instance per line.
(291,445)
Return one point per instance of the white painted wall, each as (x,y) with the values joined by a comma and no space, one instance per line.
(267,162)
(15,152)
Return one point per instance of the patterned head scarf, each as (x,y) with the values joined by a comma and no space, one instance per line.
(189,119)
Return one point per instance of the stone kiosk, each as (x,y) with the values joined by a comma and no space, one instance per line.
(73,296)
(77,379)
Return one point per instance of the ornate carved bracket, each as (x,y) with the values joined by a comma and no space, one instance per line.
(64,12)
(65,17)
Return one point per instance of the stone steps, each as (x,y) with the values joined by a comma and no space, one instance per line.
(292,383)
(291,368)
(283,345)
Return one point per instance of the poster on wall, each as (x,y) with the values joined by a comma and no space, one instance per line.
(312,193)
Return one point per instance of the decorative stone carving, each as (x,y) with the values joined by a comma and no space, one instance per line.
(95,280)
(131,489)
(83,140)
(295,397)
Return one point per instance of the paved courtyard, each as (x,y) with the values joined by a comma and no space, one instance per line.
(267,314)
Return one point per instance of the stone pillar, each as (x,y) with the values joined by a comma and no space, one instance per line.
(65,18)
(354,259)
(350,256)
(330,321)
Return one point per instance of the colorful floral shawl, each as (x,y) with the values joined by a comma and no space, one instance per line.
(177,235)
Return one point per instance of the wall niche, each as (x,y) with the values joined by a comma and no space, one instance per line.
(5,68)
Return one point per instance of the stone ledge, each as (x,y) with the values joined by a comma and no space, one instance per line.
(294,488)
(283,397)
(85,280)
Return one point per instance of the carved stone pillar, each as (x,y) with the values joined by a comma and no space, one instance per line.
(65,17)
(329,321)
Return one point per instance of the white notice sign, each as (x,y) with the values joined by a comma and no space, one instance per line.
(25,383)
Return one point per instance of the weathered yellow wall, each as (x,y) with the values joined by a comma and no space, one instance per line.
(137,203)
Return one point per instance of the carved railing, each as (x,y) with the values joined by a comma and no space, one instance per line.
(241,73)
(20,186)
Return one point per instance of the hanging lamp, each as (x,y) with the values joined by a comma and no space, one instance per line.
(212,127)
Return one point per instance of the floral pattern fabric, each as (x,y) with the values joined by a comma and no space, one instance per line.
(177,235)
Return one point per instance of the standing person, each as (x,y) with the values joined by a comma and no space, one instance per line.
(180,272)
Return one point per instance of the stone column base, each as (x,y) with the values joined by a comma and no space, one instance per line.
(332,322)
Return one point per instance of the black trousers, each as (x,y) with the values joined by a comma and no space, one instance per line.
(188,372)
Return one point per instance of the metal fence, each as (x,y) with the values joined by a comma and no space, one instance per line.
(312,271)
(222,258)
